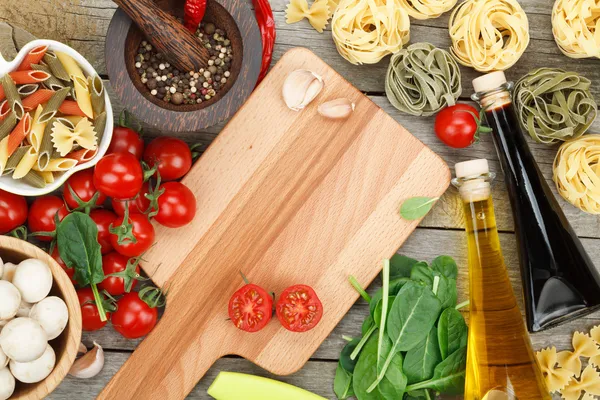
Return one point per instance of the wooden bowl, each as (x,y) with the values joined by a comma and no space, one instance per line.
(65,346)
(123,39)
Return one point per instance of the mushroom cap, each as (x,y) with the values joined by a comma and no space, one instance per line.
(36,370)
(10,299)
(23,340)
(33,278)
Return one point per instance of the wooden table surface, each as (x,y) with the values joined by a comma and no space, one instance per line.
(82,24)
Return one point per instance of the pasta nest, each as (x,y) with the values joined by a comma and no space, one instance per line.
(422,79)
(425,9)
(365,31)
(576,173)
(554,105)
(489,35)
(574,25)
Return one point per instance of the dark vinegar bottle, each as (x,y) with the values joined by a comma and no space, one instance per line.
(560,281)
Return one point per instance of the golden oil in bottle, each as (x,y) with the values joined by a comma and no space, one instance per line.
(501,363)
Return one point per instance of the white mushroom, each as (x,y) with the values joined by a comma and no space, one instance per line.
(23,340)
(52,314)
(3,359)
(9,271)
(1,267)
(10,299)
(7,384)
(33,278)
(24,309)
(34,371)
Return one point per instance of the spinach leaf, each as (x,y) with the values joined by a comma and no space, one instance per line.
(342,384)
(400,266)
(397,284)
(446,290)
(393,384)
(420,361)
(365,372)
(448,376)
(384,310)
(446,266)
(375,300)
(416,207)
(345,361)
(452,332)
(367,325)
(363,341)
(379,309)
(422,273)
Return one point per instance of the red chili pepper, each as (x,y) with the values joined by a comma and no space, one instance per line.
(193,13)
(266,23)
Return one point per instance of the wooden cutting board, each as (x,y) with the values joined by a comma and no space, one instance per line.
(286,197)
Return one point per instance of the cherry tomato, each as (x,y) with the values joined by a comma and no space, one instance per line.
(134,318)
(458,126)
(142,230)
(138,205)
(176,206)
(299,308)
(174,157)
(103,220)
(70,271)
(251,308)
(112,263)
(13,211)
(41,215)
(90,317)
(82,183)
(119,175)
(126,140)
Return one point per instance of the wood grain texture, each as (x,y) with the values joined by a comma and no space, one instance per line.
(296,199)
(65,346)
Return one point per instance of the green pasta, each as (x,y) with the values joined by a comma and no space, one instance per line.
(422,79)
(9,123)
(15,158)
(28,89)
(34,179)
(51,107)
(554,105)
(7,46)
(52,83)
(100,126)
(12,95)
(46,146)
(21,37)
(56,67)
(97,93)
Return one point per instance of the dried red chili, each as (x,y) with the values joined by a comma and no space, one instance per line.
(193,13)
(266,23)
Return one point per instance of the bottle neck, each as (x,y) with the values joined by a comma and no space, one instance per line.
(474,188)
(496,98)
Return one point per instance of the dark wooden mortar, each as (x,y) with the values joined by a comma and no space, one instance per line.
(123,39)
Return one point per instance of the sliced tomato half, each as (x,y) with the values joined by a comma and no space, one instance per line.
(299,308)
(251,308)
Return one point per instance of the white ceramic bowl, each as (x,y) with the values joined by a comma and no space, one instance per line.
(14,186)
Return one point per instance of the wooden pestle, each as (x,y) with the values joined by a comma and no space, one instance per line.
(167,35)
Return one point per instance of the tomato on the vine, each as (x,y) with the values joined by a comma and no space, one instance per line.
(299,308)
(117,263)
(42,213)
(70,271)
(126,140)
(251,308)
(176,205)
(119,175)
(103,219)
(173,156)
(13,211)
(90,317)
(82,184)
(134,318)
(134,237)
(138,205)
(459,125)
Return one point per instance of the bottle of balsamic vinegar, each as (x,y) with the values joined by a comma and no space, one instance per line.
(560,280)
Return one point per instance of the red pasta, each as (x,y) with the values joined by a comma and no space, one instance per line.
(19,134)
(2,95)
(4,109)
(31,102)
(33,57)
(70,107)
(24,77)
(82,155)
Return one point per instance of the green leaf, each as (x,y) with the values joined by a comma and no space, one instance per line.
(365,372)
(422,273)
(345,361)
(379,309)
(420,361)
(448,376)
(452,332)
(400,266)
(446,266)
(396,285)
(384,308)
(342,384)
(416,207)
(393,384)
(368,323)
(77,238)
(446,291)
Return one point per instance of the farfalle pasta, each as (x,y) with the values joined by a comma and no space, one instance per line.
(64,138)
(425,9)
(588,384)
(317,14)
(556,378)
(583,346)
(574,25)
(489,35)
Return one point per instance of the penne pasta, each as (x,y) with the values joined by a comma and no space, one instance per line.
(58,165)
(28,89)
(96,88)
(51,107)
(2,95)
(37,129)
(8,124)
(18,134)
(70,65)
(74,119)
(25,164)
(4,110)
(83,97)
(3,154)
(82,155)
(31,102)
(12,96)
(31,76)
(70,107)
(56,67)
(34,179)
(52,83)
(100,126)
(15,159)
(33,57)
(46,147)
(47,176)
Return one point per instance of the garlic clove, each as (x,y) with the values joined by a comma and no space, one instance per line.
(336,109)
(300,88)
(82,349)
(90,364)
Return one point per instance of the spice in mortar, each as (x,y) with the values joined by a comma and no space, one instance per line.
(167,83)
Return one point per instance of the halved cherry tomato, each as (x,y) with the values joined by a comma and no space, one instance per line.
(82,183)
(299,308)
(119,175)
(251,308)
(138,205)
(134,318)
(42,213)
(90,317)
(140,229)
(13,211)
(176,205)
(126,140)
(103,220)
(114,263)
(173,156)
(70,271)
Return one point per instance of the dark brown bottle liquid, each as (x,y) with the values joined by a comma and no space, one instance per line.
(560,281)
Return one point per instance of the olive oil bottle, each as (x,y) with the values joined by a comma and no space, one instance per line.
(501,364)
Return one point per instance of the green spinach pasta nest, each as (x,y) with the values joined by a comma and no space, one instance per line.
(422,79)
(554,105)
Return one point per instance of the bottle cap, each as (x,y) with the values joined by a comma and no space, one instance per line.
(472,168)
(488,82)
